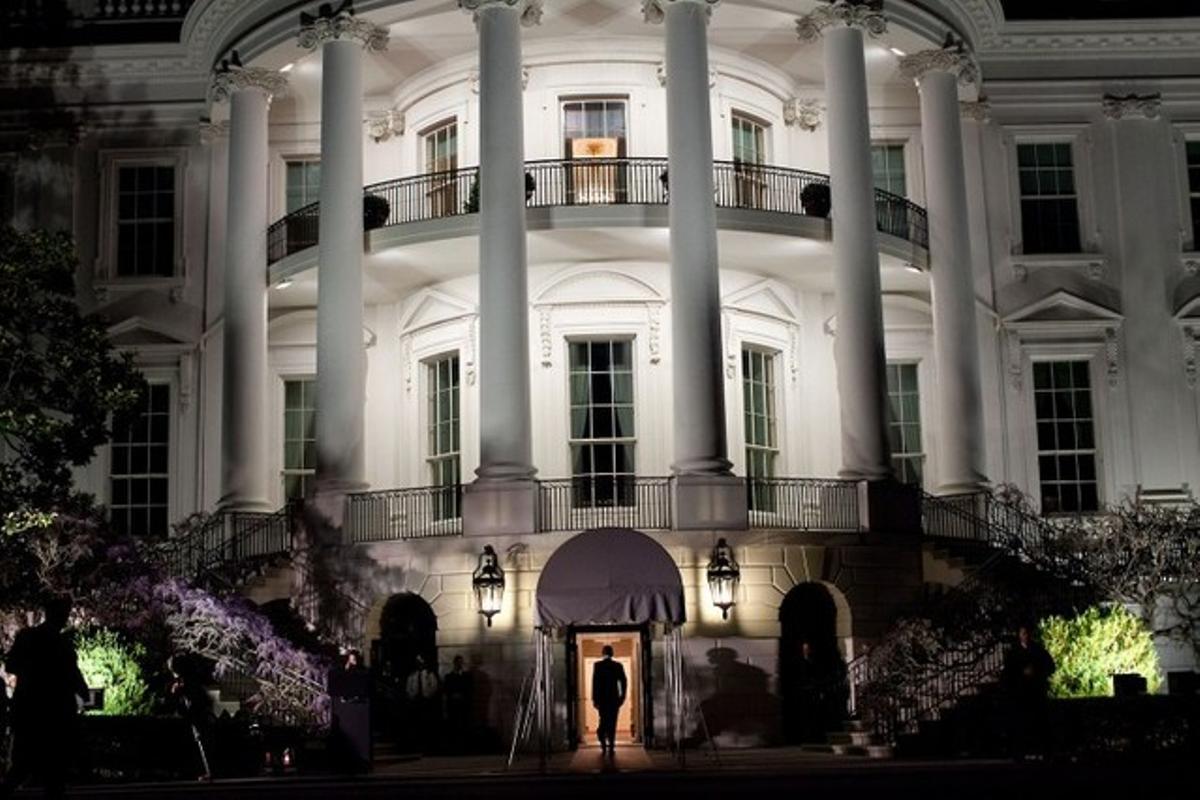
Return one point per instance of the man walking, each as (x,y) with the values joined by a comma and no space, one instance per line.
(609,687)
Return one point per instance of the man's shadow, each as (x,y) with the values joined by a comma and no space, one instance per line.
(738,705)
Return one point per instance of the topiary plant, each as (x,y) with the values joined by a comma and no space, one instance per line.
(110,663)
(1092,647)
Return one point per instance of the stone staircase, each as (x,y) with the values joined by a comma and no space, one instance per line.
(854,738)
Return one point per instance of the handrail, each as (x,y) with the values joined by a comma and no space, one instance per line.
(577,503)
(807,504)
(399,514)
(553,183)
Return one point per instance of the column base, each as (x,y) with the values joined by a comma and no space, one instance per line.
(710,502)
(889,507)
(500,508)
(234,503)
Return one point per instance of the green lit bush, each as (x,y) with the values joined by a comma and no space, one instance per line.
(1090,648)
(109,662)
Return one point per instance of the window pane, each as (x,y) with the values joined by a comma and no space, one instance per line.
(1066,436)
(602,419)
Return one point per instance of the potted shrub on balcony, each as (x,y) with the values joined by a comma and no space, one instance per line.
(815,200)
(375,211)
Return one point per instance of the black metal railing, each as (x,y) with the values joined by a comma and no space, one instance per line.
(577,503)
(230,538)
(600,182)
(803,504)
(398,514)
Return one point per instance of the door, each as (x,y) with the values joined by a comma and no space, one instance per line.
(627,650)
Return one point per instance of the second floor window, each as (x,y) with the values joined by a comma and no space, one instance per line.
(146,221)
(762,436)
(443,456)
(749,140)
(1049,204)
(602,426)
(887,166)
(303,183)
(139,466)
(1193,170)
(299,437)
(904,423)
(1066,437)
(441,161)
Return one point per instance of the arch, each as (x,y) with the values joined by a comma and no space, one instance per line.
(811,664)
(407,629)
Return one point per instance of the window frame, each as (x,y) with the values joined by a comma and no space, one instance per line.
(1095,450)
(1189,198)
(111,163)
(451,498)
(171,443)
(425,133)
(765,134)
(1081,158)
(307,161)
(762,499)
(623,143)
(921,456)
(305,473)
(902,146)
(627,441)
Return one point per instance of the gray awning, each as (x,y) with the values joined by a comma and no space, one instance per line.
(609,576)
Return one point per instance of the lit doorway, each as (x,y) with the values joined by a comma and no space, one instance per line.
(630,647)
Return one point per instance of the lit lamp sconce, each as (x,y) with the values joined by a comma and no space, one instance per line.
(488,582)
(723,577)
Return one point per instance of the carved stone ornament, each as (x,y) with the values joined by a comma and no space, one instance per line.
(1191,345)
(330,25)
(211,131)
(654,322)
(1146,106)
(230,78)
(473,79)
(976,110)
(545,335)
(383,125)
(803,112)
(531,10)
(660,72)
(1191,267)
(1112,357)
(867,15)
(953,59)
(655,11)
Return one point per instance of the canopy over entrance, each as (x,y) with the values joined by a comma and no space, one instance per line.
(609,576)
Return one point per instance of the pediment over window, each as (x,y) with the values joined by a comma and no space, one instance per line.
(593,286)
(766,298)
(430,307)
(140,332)
(1065,311)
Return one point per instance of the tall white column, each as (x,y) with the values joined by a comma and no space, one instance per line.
(244,472)
(706,494)
(503,498)
(341,355)
(859,347)
(961,455)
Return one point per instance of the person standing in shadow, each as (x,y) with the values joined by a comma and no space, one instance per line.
(458,688)
(45,703)
(1026,679)
(350,728)
(609,687)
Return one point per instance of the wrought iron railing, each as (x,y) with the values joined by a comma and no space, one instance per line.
(398,514)
(598,182)
(805,504)
(577,503)
(230,538)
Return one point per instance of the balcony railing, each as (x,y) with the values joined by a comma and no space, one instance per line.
(805,504)
(600,182)
(578,503)
(234,537)
(397,514)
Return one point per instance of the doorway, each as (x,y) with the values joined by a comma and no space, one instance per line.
(630,650)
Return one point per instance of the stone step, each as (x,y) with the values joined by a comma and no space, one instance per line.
(859,738)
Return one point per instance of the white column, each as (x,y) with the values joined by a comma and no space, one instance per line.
(961,456)
(503,498)
(341,356)
(706,493)
(859,347)
(244,471)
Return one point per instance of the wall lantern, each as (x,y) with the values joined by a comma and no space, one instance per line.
(723,577)
(488,582)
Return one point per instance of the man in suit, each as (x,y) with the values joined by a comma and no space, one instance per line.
(609,687)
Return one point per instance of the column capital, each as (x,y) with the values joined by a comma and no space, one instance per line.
(330,25)
(952,57)
(655,11)
(231,77)
(1146,106)
(211,131)
(864,14)
(530,10)
(976,110)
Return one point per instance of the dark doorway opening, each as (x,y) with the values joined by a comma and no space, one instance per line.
(812,673)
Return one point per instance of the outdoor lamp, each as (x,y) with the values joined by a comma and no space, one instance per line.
(723,577)
(488,582)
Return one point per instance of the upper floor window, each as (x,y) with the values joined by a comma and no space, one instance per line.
(749,140)
(441,147)
(299,437)
(1193,169)
(594,128)
(1049,203)
(887,165)
(762,436)
(443,455)
(1066,440)
(146,211)
(904,423)
(139,466)
(602,436)
(303,183)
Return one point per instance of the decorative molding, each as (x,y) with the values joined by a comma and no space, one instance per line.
(731,358)
(531,10)
(1020,273)
(1016,366)
(952,57)
(1112,357)
(1129,106)
(655,11)
(232,77)
(1191,346)
(660,72)
(1191,267)
(793,349)
(472,326)
(864,14)
(1094,270)
(654,323)
(976,110)
(383,125)
(407,359)
(473,79)
(545,331)
(330,25)
(212,131)
(803,112)
(186,384)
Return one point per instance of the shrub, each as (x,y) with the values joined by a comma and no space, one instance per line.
(1090,648)
(108,662)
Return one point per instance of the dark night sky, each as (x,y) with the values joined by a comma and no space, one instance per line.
(1017,10)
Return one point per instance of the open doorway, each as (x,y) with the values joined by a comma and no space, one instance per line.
(630,651)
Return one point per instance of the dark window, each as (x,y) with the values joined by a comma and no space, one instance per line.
(762,435)
(146,221)
(444,453)
(1066,438)
(139,466)
(1193,169)
(1049,205)
(904,423)
(299,437)
(602,425)
(303,183)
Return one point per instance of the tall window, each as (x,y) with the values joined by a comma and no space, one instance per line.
(887,165)
(762,436)
(1065,436)
(146,221)
(299,437)
(1049,206)
(595,129)
(1193,168)
(138,471)
(602,428)
(904,423)
(749,152)
(443,453)
(303,183)
(441,160)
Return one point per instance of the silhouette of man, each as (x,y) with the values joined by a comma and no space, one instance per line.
(45,702)
(609,687)
(1027,670)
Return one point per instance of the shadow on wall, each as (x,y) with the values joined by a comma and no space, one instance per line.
(738,708)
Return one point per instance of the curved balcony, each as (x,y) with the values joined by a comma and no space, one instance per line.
(597,182)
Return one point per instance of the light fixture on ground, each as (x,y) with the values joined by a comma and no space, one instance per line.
(488,582)
(723,577)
